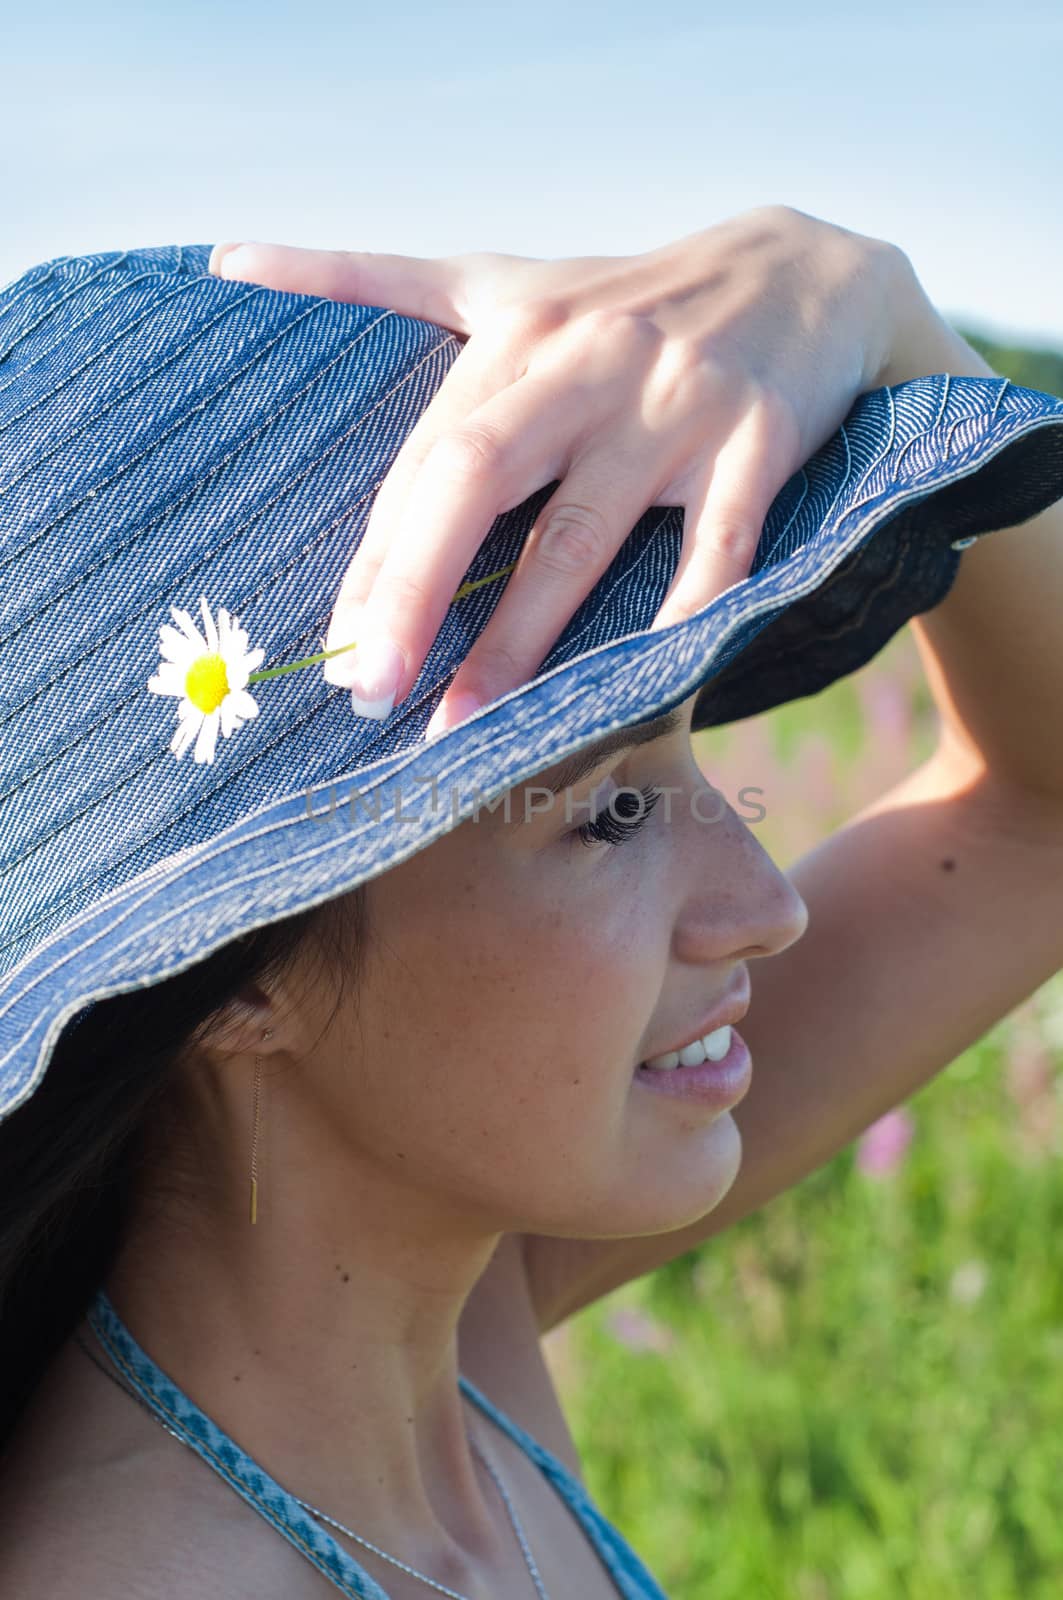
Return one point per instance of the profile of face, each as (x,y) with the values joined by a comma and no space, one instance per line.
(482,1071)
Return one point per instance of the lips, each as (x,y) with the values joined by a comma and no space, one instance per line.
(731,1011)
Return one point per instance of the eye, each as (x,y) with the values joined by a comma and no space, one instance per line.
(625,814)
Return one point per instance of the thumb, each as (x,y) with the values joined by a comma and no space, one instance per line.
(415,286)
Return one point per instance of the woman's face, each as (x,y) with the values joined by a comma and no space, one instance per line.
(514,979)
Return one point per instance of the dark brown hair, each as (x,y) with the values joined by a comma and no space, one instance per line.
(70,1155)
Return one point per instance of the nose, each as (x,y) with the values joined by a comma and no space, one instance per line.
(735,902)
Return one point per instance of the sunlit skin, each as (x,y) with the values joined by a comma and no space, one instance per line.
(478,1081)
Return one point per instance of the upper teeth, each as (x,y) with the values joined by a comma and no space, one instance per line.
(710,1047)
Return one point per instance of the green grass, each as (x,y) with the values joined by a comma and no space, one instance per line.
(863,1394)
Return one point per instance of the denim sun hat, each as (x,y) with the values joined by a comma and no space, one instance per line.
(177,448)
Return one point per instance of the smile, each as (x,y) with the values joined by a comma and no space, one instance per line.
(709,1047)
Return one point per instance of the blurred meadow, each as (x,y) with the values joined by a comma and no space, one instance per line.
(857,1392)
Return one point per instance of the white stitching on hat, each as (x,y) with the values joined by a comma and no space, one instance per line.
(93,311)
(61,300)
(802,497)
(178,422)
(170,505)
(24,777)
(33,283)
(204,794)
(1005,385)
(122,333)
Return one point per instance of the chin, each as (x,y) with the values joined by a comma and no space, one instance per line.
(708,1167)
(662,1192)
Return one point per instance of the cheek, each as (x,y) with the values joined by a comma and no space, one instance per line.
(511,1008)
(536,988)
(572,983)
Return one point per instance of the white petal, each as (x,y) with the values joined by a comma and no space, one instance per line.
(237,635)
(170,679)
(188,627)
(245,704)
(207,738)
(240,667)
(230,717)
(224,630)
(209,625)
(186,732)
(173,645)
(188,708)
(254,659)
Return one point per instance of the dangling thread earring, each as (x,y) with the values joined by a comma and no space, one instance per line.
(267,1034)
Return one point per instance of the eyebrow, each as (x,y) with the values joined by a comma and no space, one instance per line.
(587,761)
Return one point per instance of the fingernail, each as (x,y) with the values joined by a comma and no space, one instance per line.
(232,259)
(378,667)
(451,710)
(218,254)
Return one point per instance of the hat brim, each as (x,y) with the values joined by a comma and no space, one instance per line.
(857,543)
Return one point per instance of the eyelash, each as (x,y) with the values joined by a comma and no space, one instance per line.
(610,826)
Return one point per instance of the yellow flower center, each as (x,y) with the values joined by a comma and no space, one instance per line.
(207,682)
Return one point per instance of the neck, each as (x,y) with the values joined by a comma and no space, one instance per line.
(330,1352)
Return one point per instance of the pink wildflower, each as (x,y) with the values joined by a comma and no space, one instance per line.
(639,1331)
(881,1149)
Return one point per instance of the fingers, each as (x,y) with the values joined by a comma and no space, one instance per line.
(481,369)
(415,286)
(579,532)
(497,456)
(575,537)
(722,525)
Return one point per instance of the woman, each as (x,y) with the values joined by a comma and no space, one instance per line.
(434,1051)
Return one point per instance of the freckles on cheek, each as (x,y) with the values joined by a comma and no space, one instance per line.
(589,987)
(553,974)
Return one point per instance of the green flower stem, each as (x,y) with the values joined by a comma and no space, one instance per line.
(294,666)
(323,655)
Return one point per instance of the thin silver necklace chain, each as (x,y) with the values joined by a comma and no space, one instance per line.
(323,1516)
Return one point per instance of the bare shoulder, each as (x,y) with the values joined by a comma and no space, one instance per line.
(97,1503)
(99,1539)
(90,1540)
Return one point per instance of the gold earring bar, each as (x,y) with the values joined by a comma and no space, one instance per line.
(267,1034)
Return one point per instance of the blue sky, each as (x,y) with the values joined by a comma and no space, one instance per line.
(546,130)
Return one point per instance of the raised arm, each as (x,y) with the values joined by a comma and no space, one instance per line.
(932,913)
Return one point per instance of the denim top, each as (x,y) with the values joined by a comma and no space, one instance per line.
(282,1510)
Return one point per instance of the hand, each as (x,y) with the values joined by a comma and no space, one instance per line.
(700,374)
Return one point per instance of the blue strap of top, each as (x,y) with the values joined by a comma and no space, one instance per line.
(281,1509)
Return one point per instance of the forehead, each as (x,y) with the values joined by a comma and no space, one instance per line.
(568,772)
(493,818)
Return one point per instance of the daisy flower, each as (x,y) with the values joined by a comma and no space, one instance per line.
(208,675)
